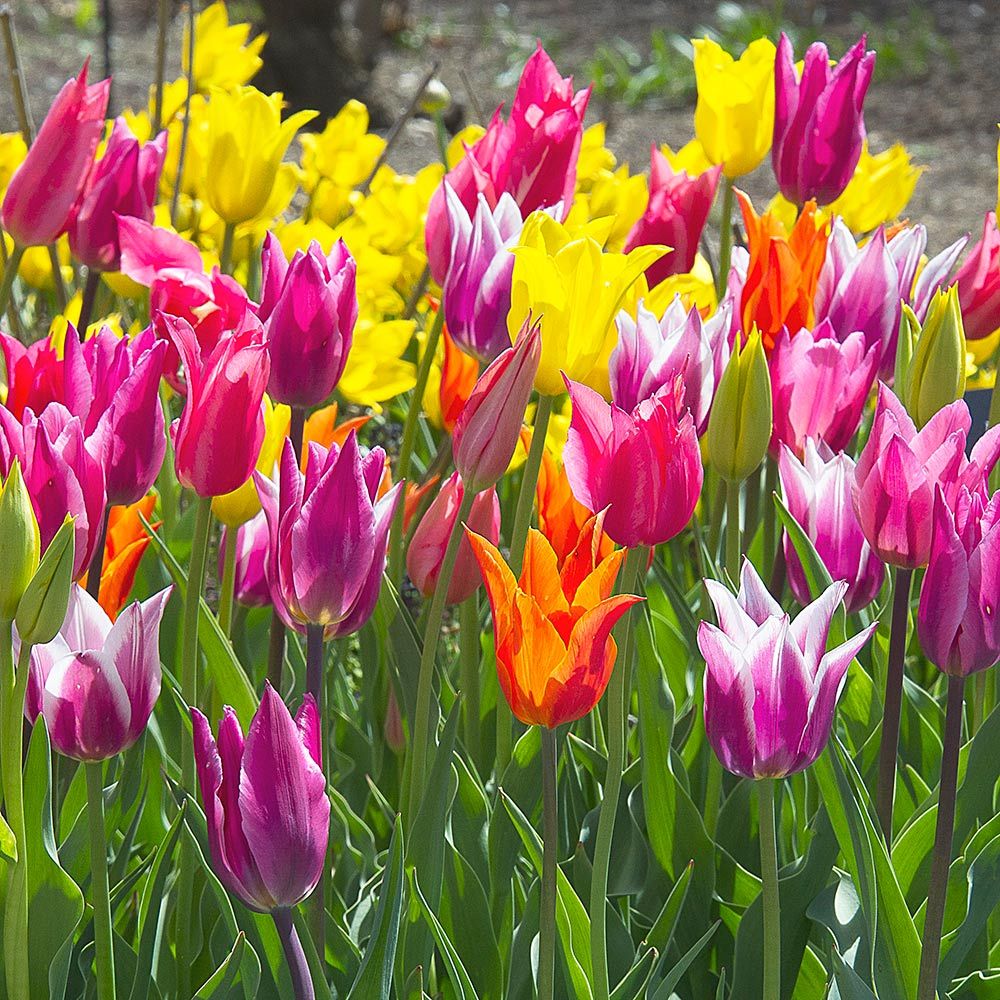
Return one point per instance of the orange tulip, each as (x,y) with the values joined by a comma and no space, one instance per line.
(126,542)
(322,428)
(783,272)
(413,499)
(552,628)
(459,373)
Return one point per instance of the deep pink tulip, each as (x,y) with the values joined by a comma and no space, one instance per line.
(327,534)
(97,682)
(675,216)
(43,190)
(978,281)
(819,386)
(817,492)
(957,622)
(123,183)
(487,430)
(430,540)
(250,588)
(265,801)
(309,308)
(819,124)
(644,466)
(771,688)
(221,428)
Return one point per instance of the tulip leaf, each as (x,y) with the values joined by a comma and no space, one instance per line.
(222,983)
(636,979)
(8,843)
(662,932)
(817,575)
(978,773)
(668,984)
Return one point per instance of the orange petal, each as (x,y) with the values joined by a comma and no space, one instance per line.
(540,574)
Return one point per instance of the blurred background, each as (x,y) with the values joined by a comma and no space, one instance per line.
(936,89)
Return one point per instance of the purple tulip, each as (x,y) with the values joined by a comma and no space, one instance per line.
(250,587)
(309,307)
(97,682)
(771,688)
(817,492)
(265,802)
(956,620)
(327,532)
(819,125)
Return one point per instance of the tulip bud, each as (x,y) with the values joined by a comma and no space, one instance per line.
(19,542)
(739,427)
(909,331)
(936,375)
(42,609)
(435,98)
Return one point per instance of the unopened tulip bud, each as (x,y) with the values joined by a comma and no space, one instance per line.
(739,427)
(42,609)
(909,331)
(19,542)
(937,372)
(435,98)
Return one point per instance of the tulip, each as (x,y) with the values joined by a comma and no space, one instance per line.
(42,608)
(39,200)
(327,532)
(879,189)
(819,386)
(123,183)
(552,628)
(265,802)
(487,429)
(224,406)
(126,542)
(643,466)
(251,587)
(675,216)
(817,493)
(770,686)
(97,682)
(309,308)
(20,542)
(430,540)
(978,281)
(819,125)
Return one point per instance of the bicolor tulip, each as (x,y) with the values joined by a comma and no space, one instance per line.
(97,682)
(250,586)
(920,277)
(265,800)
(978,281)
(309,307)
(487,430)
(819,124)
(552,627)
(675,216)
(643,468)
(817,492)
(819,386)
(127,540)
(39,201)
(956,618)
(771,688)
(123,183)
(327,531)
(426,550)
(221,428)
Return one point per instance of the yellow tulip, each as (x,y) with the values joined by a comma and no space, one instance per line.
(246,142)
(575,289)
(734,116)
(12,152)
(223,56)
(595,158)
(690,158)
(879,189)
(375,369)
(617,196)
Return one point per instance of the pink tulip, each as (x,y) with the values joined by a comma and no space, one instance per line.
(675,216)
(956,620)
(123,183)
(819,125)
(487,430)
(817,493)
(430,539)
(644,466)
(328,532)
(919,280)
(221,428)
(771,688)
(43,190)
(978,281)
(97,682)
(265,802)
(250,588)
(309,308)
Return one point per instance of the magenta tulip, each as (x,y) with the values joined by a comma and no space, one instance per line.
(771,688)
(978,281)
(265,800)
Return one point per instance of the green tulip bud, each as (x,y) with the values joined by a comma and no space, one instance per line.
(436,97)
(19,542)
(739,427)
(909,332)
(42,610)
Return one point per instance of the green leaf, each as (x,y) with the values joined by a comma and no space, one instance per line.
(668,984)
(662,932)
(634,983)
(222,983)
(816,574)
(8,843)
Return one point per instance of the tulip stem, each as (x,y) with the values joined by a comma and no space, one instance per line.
(770,513)
(97,562)
(90,287)
(725,238)
(941,859)
(226,255)
(550,856)
(186,123)
(619,697)
(228,583)
(314,665)
(733,540)
(298,967)
(316,687)
(162,26)
(9,274)
(470,649)
(893,701)
(100,893)
(421,728)
(769,890)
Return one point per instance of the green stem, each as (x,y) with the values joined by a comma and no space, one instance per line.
(422,735)
(733,541)
(186,122)
(315,649)
(550,848)
(9,274)
(470,649)
(227,586)
(226,256)
(162,26)
(725,238)
(930,952)
(770,514)
(769,890)
(97,562)
(100,892)
(619,696)
(57,279)
(713,793)
(87,303)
